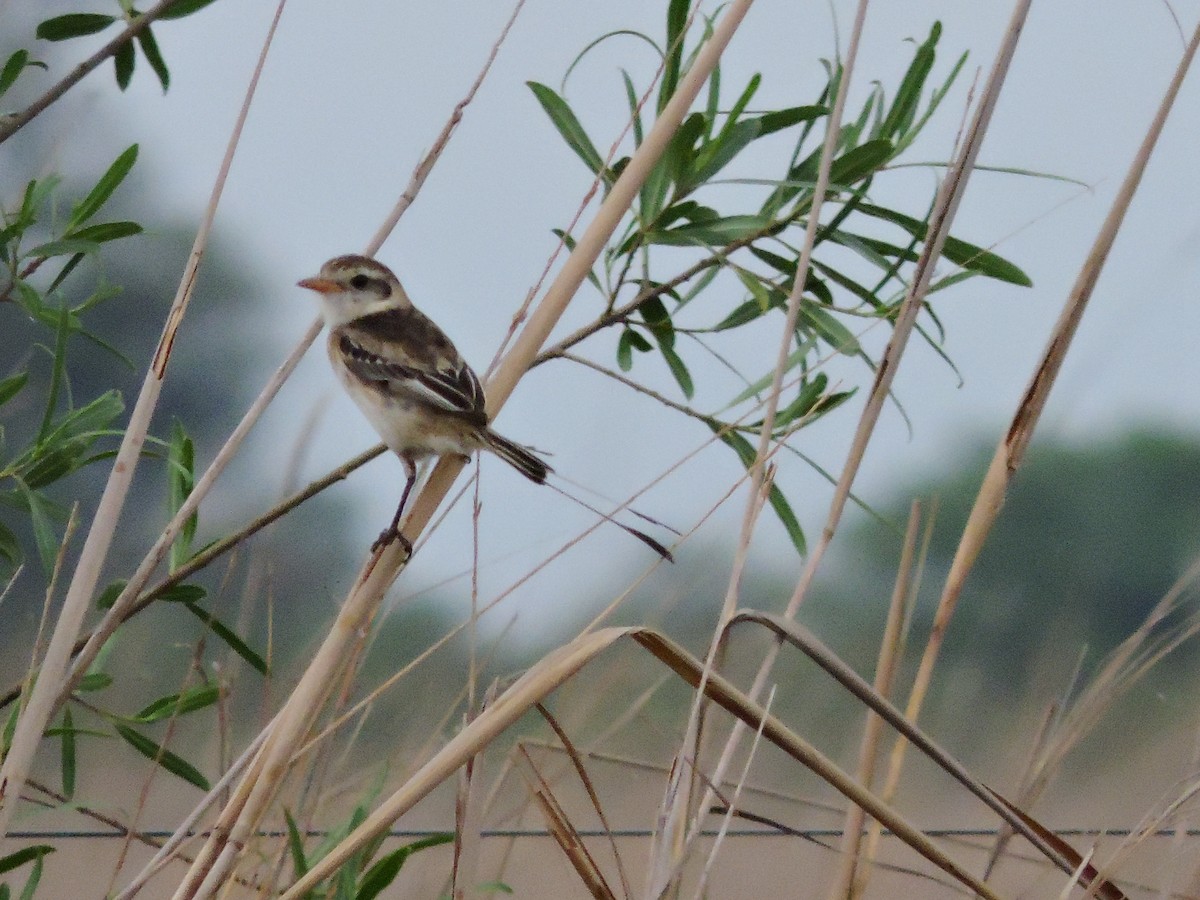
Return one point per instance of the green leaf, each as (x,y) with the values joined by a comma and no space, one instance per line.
(104,188)
(184,8)
(677,17)
(13,67)
(10,547)
(716,233)
(163,757)
(94,681)
(22,856)
(769,123)
(67,754)
(11,386)
(72,25)
(720,151)
(181,477)
(863,160)
(44,536)
(229,636)
(959,252)
(124,61)
(105,231)
(61,248)
(625,350)
(830,330)
(678,369)
(783,510)
(153,56)
(908,94)
(183,593)
(384,871)
(569,243)
(568,126)
(295,847)
(35,877)
(190,700)
(109,595)
(635,113)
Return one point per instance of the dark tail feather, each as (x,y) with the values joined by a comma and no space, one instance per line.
(518,457)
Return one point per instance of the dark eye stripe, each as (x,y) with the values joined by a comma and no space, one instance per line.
(379,285)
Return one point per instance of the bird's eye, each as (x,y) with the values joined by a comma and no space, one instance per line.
(358,282)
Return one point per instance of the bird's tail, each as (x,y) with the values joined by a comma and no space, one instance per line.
(517,456)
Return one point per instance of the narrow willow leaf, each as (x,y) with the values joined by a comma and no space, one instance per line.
(149,45)
(720,151)
(625,351)
(631,96)
(678,369)
(181,478)
(184,8)
(64,247)
(190,700)
(716,233)
(124,61)
(908,94)
(22,856)
(67,761)
(183,593)
(295,847)
(11,386)
(831,331)
(384,872)
(677,17)
(105,231)
(568,126)
(959,252)
(230,637)
(172,762)
(769,123)
(783,510)
(13,67)
(104,188)
(863,160)
(111,592)
(569,243)
(93,681)
(10,548)
(44,536)
(73,25)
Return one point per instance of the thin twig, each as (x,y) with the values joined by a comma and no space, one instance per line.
(11,124)
(48,692)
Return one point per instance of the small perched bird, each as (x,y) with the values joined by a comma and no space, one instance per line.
(405,375)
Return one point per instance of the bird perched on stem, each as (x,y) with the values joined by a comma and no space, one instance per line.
(405,375)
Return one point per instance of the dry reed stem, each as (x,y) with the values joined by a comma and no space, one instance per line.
(47,692)
(565,834)
(1011,449)
(550,673)
(576,760)
(845,885)
(250,803)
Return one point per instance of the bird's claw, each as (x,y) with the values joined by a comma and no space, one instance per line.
(387,536)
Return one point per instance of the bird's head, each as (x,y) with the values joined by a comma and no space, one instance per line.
(354,286)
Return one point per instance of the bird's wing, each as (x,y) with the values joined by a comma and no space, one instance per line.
(403,353)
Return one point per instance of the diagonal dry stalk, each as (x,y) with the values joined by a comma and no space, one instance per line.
(46,693)
(670,846)
(1011,449)
(261,783)
(885,671)
(559,666)
(941,217)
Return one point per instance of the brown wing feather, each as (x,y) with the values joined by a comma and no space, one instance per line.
(402,351)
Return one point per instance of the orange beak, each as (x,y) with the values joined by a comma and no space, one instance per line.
(320,285)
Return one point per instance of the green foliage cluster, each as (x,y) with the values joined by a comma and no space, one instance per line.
(756,238)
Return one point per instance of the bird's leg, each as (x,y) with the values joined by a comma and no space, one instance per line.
(392,532)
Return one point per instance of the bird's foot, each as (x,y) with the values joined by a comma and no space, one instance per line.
(387,536)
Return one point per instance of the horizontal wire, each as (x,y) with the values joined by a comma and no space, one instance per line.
(621,833)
